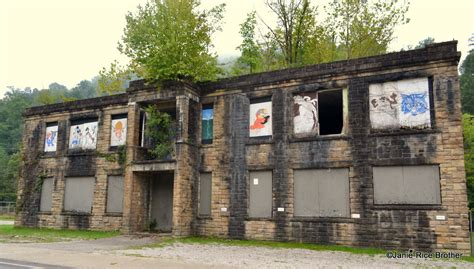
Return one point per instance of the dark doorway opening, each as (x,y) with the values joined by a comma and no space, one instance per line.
(161,202)
(330,110)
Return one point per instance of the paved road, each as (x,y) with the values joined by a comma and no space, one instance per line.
(14,264)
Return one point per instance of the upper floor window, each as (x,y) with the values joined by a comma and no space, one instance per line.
(207,124)
(318,113)
(51,138)
(118,132)
(400,104)
(83,134)
(260,118)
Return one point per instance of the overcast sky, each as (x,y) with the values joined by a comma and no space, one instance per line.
(66,41)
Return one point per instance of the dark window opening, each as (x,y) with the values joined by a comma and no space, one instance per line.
(330,110)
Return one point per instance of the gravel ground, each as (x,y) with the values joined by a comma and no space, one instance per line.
(7,222)
(260,257)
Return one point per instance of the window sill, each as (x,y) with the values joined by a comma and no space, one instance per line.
(45,213)
(51,154)
(204,217)
(260,219)
(406,207)
(113,214)
(259,140)
(323,219)
(81,152)
(74,213)
(396,132)
(320,138)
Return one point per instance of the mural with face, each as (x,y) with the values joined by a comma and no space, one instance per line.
(260,119)
(305,109)
(400,104)
(118,134)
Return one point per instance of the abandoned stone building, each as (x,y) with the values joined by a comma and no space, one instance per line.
(363,152)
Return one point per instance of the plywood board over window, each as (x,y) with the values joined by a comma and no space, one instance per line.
(118,132)
(115,194)
(400,104)
(83,135)
(79,194)
(207,124)
(417,184)
(321,192)
(205,194)
(51,137)
(260,194)
(46,201)
(260,119)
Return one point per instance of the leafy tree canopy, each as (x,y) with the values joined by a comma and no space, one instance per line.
(171,39)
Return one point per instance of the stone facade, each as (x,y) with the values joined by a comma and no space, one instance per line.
(232,155)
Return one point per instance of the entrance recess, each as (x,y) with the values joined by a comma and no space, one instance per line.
(162,201)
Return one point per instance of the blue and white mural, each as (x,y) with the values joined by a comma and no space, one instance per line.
(51,138)
(83,136)
(400,104)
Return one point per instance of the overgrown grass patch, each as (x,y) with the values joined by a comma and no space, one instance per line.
(21,234)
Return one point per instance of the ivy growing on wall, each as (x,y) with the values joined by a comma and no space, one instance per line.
(160,128)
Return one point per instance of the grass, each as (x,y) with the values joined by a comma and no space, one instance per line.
(8,233)
(268,244)
(7,217)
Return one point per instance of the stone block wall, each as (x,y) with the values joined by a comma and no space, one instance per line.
(233,155)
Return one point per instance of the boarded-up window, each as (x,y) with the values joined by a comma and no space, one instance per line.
(118,130)
(51,137)
(400,104)
(321,193)
(260,194)
(260,117)
(47,195)
(83,134)
(407,184)
(115,194)
(205,193)
(79,194)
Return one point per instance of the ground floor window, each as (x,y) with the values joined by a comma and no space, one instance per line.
(417,184)
(115,194)
(79,194)
(47,194)
(260,202)
(205,194)
(321,192)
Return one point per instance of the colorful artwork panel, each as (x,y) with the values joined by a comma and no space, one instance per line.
(400,104)
(207,124)
(305,111)
(83,136)
(118,132)
(51,138)
(260,119)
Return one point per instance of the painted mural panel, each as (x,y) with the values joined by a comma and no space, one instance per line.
(260,119)
(207,124)
(51,138)
(305,111)
(83,136)
(400,104)
(118,132)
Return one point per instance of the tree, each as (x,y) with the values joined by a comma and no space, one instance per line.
(171,39)
(114,79)
(423,43)
(467,83)
(249,61)
(364,28)
(468,133)
(296,20)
